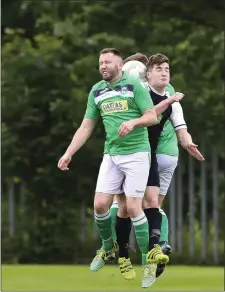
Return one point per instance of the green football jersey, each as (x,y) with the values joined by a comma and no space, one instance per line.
(168,143)
(116,103)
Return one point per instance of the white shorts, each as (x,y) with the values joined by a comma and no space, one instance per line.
(166,167)
(124,173)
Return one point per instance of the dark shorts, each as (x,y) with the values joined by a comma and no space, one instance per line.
(153,177)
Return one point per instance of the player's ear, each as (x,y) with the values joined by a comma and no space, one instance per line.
(148,74)
(120,66)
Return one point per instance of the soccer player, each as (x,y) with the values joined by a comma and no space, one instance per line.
(158,78)
(166,151)
(125,107)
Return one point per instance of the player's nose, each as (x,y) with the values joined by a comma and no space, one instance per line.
(104,67)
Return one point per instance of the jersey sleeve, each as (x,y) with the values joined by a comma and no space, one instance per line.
(92,111)
(142,97)
(177,117)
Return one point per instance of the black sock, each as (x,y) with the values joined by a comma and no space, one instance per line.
(154,221)
(123,228)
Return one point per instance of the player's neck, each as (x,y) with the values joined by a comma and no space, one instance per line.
(158,90)
(115,79)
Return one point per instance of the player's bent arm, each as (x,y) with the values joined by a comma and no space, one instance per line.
(162,106)
(81,136)
(184,138)
(149,118)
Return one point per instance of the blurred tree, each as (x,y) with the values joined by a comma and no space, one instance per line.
(49,63)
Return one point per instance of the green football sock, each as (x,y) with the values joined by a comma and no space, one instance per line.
(164,227)
(103,223)
(113,212)
(140,224)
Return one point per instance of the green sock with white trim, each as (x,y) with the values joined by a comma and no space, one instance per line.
(103,222)
(113,212)
(140,224)
(164,227)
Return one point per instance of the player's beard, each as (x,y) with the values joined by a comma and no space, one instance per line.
(112,74)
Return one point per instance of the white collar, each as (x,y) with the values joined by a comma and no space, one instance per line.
(154,90)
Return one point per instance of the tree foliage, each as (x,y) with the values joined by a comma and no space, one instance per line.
(49,64)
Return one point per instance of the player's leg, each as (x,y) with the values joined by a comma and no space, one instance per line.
(113,213)
(122,224)
(151,208)
(151,205)
(164,233)
(136,170)
(136,167)
(109,183)
(123,228)
(166,165)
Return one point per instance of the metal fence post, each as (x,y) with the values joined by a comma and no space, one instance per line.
(191,191)
(172,212)
(11,208)
(179,205)
(203,193)
(215,191)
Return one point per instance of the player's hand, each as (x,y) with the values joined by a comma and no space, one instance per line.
(193,151)
(125,128)
(64,162)
(177,96)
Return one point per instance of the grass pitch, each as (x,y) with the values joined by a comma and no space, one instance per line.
(71,278)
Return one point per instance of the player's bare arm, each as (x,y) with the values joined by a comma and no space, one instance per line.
(186,142)
(149,118)
(79,139)
(163,105)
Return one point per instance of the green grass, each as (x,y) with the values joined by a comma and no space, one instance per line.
(47,277)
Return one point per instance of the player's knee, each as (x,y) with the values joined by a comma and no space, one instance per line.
(150,203)
(101,204)
(134,207)
(133,212)
(100,208)
(151,198)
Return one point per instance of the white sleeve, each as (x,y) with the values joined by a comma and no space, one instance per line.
(177,117)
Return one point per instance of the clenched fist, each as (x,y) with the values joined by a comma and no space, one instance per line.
(176,97)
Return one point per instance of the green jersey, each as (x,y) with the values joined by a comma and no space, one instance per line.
(116,103)
(168,140)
